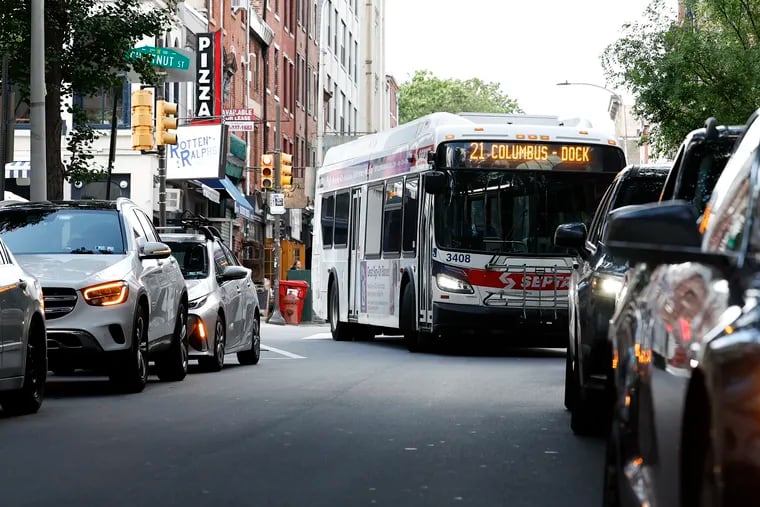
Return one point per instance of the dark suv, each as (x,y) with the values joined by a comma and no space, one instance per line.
(594,284)
(685,333)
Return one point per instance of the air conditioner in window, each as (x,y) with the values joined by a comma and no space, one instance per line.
(239,4)
(173,199)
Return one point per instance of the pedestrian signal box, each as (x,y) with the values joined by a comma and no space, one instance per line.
(142,119)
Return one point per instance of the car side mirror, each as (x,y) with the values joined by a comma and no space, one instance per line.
(435,182)
(154,250)
(657,233)
(232,273)
(572,235)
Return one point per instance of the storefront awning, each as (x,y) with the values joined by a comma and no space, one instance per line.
(17,169)
(242,206)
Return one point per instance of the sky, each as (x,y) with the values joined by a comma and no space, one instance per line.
(525,46)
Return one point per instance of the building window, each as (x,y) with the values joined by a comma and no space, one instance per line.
(98,108)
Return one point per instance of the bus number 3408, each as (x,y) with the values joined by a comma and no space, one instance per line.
(455,257)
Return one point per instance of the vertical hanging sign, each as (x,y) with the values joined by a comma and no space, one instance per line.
(208,78)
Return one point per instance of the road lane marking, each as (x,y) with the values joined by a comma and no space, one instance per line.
(318,336)
(282,352)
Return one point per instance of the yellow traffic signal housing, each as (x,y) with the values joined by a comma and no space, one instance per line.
(267,171)
(142,119)
(164,123)
(286,169)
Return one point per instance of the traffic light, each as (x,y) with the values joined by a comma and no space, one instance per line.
(164,123)
(142,119)
(286,169)
(267,171)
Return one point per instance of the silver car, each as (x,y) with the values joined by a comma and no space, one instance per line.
(224,309)
(114,296)
(23,352)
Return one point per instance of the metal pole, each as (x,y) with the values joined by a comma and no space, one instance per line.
(5,123)
(276,317)
(112,148)
(38,190)
(162,186)
(161,149)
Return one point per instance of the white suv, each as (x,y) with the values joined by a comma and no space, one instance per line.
(114,296)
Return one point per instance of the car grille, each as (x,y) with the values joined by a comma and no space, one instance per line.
(58,301)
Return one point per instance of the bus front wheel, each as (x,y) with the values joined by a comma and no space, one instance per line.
(338,329)
(415,340)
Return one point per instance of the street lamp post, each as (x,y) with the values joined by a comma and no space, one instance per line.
(619,99)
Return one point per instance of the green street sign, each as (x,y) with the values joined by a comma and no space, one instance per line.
(162,57)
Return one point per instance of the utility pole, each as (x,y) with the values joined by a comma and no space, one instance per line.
(112,147)
(5,123)
(276,317)
(38,190)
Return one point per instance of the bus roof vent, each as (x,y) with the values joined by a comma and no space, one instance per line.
(576,122)
(511,119)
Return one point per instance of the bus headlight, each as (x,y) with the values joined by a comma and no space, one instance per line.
(607,285)
(451,284)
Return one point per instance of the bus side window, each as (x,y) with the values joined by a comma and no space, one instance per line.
(341,219)
(328,218)
(374,221)
(410,215)
(392,217)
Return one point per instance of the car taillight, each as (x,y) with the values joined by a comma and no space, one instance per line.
(106,294)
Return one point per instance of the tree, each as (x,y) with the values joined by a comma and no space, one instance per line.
(425,94)
(682,72)
(86,46)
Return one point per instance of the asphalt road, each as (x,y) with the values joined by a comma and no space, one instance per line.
(315,423)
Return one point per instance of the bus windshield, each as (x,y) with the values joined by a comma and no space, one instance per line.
(514,212)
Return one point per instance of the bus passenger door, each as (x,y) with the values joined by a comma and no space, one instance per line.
(425,256)
(353,256)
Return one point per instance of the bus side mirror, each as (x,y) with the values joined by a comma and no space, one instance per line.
(435,182)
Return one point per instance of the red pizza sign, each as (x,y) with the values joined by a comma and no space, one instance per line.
(519,281)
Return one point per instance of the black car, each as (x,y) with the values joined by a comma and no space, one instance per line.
(686,346)
(594,284)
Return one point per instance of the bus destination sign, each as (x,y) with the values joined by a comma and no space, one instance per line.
(531,155)
(527,152)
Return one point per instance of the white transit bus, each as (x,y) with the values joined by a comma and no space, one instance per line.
(444,226)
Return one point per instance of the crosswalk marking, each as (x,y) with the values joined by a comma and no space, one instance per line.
(318,336)
(282,352)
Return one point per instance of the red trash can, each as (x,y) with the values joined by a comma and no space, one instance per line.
(292,296)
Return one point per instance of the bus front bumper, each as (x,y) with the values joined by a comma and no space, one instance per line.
(529,327)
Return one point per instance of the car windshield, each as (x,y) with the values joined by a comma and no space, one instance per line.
(62,231)
(506,211)
(701,170)
(639,190)
(192,258)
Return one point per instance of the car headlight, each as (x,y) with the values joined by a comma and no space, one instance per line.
(451,284)
(197,302)
(607,285)
(106,294)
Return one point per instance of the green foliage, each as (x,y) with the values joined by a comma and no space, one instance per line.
(86,46)
(426,94)
(682,73)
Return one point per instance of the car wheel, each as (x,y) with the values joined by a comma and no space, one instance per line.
(28,399)
(338,329)
(586,415)
(216,363)
(569,391)
(252,355)
(130,373)
(172,365)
